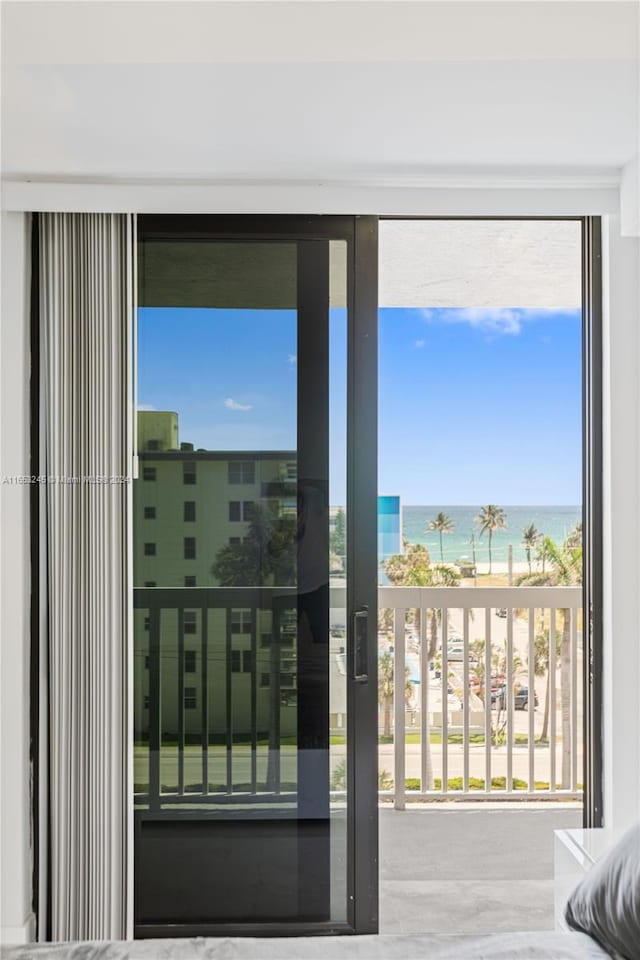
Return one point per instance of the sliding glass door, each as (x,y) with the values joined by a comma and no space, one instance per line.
(254,627)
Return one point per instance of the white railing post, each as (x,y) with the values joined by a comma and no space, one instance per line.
(553,705)
(399,680)
(445,699)
(509,701)
(487,699)
(465,701)
(425,727)
(531,699)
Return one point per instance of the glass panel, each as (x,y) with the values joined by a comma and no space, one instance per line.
(481,434)
(240,647)
(338,577)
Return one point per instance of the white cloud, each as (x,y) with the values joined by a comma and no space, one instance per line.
(231,404)
(495,321)
(146,406)
(498,321)
(419,344)
(293,359)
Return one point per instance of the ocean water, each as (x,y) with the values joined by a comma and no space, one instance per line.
(554,522)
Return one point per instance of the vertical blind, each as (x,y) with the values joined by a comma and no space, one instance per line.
(85,309)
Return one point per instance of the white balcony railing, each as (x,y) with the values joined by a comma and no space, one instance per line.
(453,677)
(449,739)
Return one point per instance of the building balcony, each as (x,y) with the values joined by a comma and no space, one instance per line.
(493,739)
(457,719)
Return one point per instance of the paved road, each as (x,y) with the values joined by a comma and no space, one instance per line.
(520,768)
(241,765)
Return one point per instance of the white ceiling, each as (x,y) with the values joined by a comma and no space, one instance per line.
(481,264)
(316,90)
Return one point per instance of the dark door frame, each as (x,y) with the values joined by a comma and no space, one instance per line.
(360,235)
(592,518)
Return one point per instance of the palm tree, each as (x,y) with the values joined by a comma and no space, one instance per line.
(413,569)
(564,570)
(408,568)
(489,519)
(541,552)
(438,576)
(574,539)
(541,660)
(266,556)
(529,540)
(443,524)
(386,688)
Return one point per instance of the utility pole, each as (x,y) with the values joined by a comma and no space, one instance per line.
(473,553)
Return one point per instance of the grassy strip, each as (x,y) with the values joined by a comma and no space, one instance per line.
(386,783)
(337,740)
(477,739)
(477,783)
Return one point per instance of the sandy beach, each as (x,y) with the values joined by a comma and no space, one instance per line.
(501,567)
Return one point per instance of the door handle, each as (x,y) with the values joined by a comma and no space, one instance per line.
(361,636)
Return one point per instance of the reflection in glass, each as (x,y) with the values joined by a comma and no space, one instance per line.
(240,655)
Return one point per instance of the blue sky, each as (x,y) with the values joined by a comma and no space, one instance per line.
(230,375)
(480,406)
(476,406)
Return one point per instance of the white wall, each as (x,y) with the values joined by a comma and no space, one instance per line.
(315,91)
(621,398)
(15,859)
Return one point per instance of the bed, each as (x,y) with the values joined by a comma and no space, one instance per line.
(539,945)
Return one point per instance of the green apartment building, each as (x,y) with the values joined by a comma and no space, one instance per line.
(214,668)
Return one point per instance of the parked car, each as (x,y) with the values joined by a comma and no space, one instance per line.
(520,699)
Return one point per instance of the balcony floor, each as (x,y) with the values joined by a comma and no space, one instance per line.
(469,869)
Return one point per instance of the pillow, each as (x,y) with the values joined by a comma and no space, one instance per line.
(606,904)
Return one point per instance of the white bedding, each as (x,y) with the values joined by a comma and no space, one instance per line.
(540,945)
